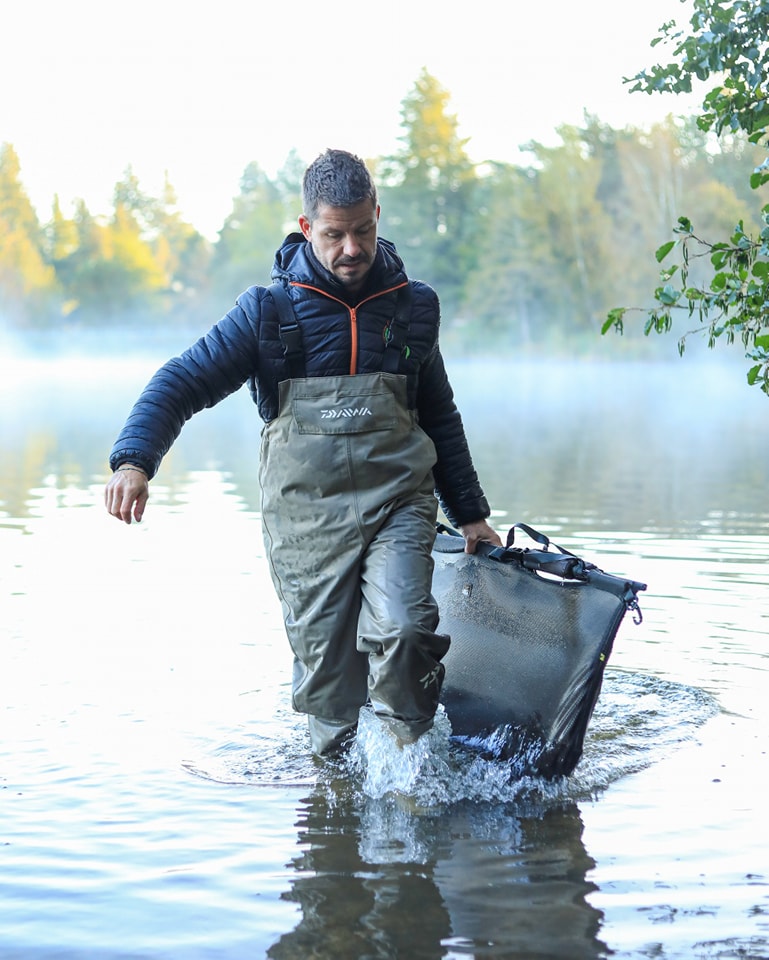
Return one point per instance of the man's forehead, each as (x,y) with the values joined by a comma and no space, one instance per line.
(355,215)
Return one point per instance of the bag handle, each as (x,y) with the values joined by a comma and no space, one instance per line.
(563,564)
(534,535)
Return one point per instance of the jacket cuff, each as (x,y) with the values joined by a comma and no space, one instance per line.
(467,513)
(118,460)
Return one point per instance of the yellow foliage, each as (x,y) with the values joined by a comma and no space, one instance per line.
(23,272)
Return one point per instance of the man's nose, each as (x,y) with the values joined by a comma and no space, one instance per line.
(351,246)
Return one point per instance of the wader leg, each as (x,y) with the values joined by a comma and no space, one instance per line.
(320,609)
(330,736)
(398,620)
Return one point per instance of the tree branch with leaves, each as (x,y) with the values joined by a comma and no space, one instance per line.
(728,42)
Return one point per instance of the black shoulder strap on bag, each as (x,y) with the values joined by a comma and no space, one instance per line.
(395,333)
(290,334)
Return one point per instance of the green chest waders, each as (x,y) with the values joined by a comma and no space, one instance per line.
(349,522)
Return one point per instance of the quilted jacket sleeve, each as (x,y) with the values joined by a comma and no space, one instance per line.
(211,369)
(456,481)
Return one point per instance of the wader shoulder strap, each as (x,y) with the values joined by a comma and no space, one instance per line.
(290,334)
(396,330)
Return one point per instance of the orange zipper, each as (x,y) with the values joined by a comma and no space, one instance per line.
(353,311)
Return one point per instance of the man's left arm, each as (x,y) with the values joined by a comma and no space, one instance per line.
(456,480)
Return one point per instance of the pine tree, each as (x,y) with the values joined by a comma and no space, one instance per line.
(249,237)
(428,194)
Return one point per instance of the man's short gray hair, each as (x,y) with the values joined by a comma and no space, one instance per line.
(338,179)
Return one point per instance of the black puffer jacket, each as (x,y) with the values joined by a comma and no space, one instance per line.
(338,338)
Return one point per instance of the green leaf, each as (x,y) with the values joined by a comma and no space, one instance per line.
(753,374)
(664,250)
(615,319)
(719,258)
(667,295)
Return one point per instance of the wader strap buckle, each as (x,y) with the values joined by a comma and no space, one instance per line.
(290,334)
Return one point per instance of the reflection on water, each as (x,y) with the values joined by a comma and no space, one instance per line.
(481,878)
(133,657)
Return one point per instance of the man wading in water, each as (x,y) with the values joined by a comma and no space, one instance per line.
(361,433)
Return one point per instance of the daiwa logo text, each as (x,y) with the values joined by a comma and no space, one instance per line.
(345,412)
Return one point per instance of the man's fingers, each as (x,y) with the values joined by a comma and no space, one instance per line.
(475,533)
(141,503)
(470,544)
(125,499)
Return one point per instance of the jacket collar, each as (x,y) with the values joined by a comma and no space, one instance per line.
(296,262)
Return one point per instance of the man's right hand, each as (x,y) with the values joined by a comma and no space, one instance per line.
(126,493)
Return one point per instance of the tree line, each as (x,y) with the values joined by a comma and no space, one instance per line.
(528,253)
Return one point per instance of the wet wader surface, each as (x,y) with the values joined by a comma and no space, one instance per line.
(349,522)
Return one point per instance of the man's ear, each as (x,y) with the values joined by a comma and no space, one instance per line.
(305,227)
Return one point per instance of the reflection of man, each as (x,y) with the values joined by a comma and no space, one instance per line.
(360,431)
(353,908)
(374,880)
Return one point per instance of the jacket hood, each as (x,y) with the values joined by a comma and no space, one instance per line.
(296,262)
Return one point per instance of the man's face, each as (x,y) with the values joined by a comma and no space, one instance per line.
(344,240)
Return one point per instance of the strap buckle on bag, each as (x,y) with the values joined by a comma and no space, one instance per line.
(564,564)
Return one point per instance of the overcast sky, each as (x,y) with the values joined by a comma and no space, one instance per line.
(90,86)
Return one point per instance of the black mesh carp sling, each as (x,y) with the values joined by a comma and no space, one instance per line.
(531,633)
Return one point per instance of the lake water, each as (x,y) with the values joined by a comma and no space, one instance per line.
(157,796)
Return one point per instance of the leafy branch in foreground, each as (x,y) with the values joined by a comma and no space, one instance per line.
(729,39)
(733,305)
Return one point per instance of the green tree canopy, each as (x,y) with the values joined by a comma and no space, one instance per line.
(531,254)
(143,261)
(249,237)
(427,194)
(112,273)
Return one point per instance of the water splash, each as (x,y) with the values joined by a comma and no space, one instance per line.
(434,770)
(638,721)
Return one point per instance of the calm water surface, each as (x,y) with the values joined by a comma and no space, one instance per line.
(156,792)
